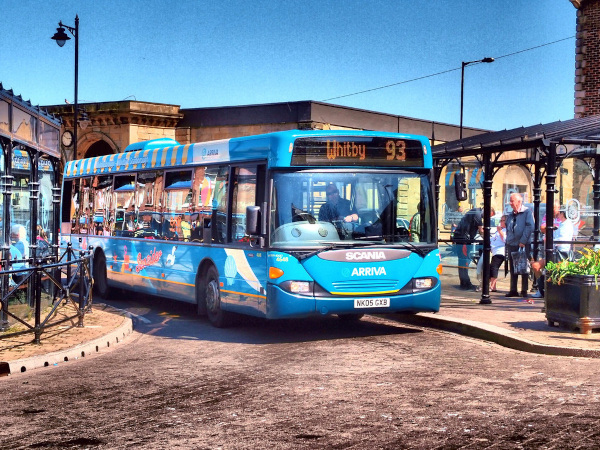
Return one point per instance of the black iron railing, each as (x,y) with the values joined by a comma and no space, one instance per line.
(39,287)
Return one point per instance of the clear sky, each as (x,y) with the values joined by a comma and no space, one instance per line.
(235,52)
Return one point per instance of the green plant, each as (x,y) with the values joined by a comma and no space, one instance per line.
(587,264)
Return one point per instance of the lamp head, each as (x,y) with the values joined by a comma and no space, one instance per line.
(60,36)
(487,60)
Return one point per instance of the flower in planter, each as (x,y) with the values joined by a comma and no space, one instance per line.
(587,264)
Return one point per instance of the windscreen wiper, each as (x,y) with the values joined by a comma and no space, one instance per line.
(421,250)
(301,256)
(368,238)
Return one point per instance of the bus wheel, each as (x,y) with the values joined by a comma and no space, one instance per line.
(350,317)
(200,297)
(100,280)
(212,297)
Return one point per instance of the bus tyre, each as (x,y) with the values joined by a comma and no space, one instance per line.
(200,297)
(212,297)
(100,280)
(350,317)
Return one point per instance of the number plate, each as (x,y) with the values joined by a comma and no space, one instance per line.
(371,303)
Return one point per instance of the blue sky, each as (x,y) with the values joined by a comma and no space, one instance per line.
(205,53)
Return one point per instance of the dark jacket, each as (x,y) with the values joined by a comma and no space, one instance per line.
(519,227)
(468,226)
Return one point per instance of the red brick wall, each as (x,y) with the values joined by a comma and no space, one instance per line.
(587,59)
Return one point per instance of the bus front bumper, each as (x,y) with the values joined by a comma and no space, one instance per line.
(283,304)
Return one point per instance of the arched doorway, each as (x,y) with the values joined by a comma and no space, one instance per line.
(99,148)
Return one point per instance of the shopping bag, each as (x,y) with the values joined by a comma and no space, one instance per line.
(521,263)
(480,268)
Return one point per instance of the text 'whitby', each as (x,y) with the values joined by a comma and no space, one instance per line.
(345,150)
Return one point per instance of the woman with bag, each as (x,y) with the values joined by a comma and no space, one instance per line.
(497,243)
(519,227)
(497,248)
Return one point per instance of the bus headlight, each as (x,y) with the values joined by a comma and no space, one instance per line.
(300,287)
(424,283)
(297,287)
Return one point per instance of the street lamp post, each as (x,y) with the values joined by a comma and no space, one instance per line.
(61,38)
(462,86)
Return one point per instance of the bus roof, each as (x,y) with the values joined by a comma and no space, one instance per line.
(275,147)
(151,144)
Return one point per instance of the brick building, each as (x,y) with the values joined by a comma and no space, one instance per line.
(110,126)
(587,58)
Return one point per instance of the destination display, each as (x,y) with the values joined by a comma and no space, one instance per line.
(357,151)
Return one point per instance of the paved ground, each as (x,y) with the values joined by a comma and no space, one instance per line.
(512,322)
(103,327)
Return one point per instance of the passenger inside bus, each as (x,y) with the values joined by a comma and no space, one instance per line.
(170,231)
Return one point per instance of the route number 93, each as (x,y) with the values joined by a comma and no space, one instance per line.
(396,150)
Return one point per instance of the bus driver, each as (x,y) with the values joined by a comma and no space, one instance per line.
(336,208)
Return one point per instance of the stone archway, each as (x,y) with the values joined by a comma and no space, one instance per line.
(98,148)
(94,143)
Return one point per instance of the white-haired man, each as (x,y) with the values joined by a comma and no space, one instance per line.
(519,228)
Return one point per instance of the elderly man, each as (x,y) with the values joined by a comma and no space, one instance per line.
(519,227)
(19,239)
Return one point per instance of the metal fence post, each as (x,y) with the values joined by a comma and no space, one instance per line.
(37,293)
(81,290)
(69,254)
(5,287)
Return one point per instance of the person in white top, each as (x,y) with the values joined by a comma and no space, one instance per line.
(497,242)
(564,232)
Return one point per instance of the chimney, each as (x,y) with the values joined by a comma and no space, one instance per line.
(587,58)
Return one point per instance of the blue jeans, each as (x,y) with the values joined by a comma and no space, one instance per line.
(462,251)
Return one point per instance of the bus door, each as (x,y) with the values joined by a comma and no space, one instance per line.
(244,272)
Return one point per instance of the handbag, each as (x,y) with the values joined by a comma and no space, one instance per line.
(480,268)
(521,264)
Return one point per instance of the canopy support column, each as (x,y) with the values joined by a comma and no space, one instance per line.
(487,215)
(550,190)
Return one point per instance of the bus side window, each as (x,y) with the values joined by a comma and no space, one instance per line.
(81,201)
(151,210)
(219,180)
(244,194)
(101,194)
(178,203)
(202,190)
(123,204)
(67,209)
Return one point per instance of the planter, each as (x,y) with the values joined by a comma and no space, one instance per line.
(574,303)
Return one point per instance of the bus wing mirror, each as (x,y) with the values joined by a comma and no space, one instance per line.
(460,186)
(253,221)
